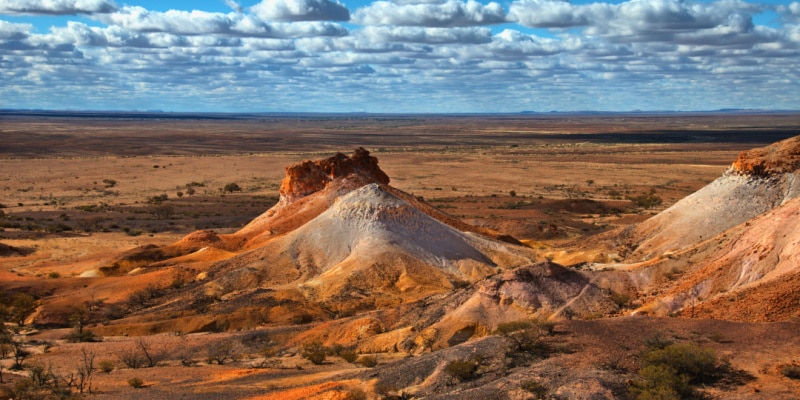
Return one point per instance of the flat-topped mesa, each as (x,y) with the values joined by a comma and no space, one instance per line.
(307,177)
(777,158)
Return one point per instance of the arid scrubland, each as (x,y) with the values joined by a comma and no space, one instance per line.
(497,256)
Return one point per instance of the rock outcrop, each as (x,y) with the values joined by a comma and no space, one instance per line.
(777,158)
(307,177)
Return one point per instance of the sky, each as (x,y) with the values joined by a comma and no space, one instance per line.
(399,56)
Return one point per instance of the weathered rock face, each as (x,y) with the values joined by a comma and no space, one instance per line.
(308,177)
(777,158)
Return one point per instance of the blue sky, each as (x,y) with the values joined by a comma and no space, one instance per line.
(399,55)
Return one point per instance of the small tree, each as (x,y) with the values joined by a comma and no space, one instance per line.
(19,353)
(22,305)
(79,318)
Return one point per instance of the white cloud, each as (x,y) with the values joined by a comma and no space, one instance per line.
(57,7)
(791,12)
(554,13)
(12,31)
(236,7)
(451,13)
(301,10)
(196,22)
(410,55)
(635,20)
(415,34)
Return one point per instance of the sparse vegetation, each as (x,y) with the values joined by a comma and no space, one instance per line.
(348,355)
(315,352)
(136,382)
(535,388)
(232,187)
(106,366)
(140,355)
(526,337)
(367,361)
(221,353)
(465,369)
(673,371)
(355,394)
(649,200)
(791,371)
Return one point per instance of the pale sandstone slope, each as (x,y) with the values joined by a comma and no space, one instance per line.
(737,238)
(760,180)
(370,243)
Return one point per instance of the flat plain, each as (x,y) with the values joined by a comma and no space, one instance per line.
(77,191)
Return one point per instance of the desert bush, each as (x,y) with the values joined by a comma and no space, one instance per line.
(648,200)
(314,352)
(158,199)
(620,299)
(106,366)
(535,388)
(136,382)
(301,319)
(367,361)
(115,311)
(526,337)
(163,211)
(81,336)
(140,355)
(232,187)
(355,394)
(672,371)
(791,371)
(348,355)
(463,370)
(662,382)
(222,353)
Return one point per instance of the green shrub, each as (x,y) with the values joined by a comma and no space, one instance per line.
(106,366)
(463,370)
(698,363)
(368,361)
(135,382)
(672,371)
(526,336)
(620,299)
(232,187)
(314,352)
(348,355)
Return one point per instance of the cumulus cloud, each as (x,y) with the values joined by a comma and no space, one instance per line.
(196,22)
(301,10)
(57,7)
(236,7)
(415,34)
(451,13)
(409,55)
(635,20)
(791,12)
(12,31)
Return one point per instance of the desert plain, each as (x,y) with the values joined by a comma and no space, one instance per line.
(84,195)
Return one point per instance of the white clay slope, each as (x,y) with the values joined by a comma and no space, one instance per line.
(370,239)
(728,201)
